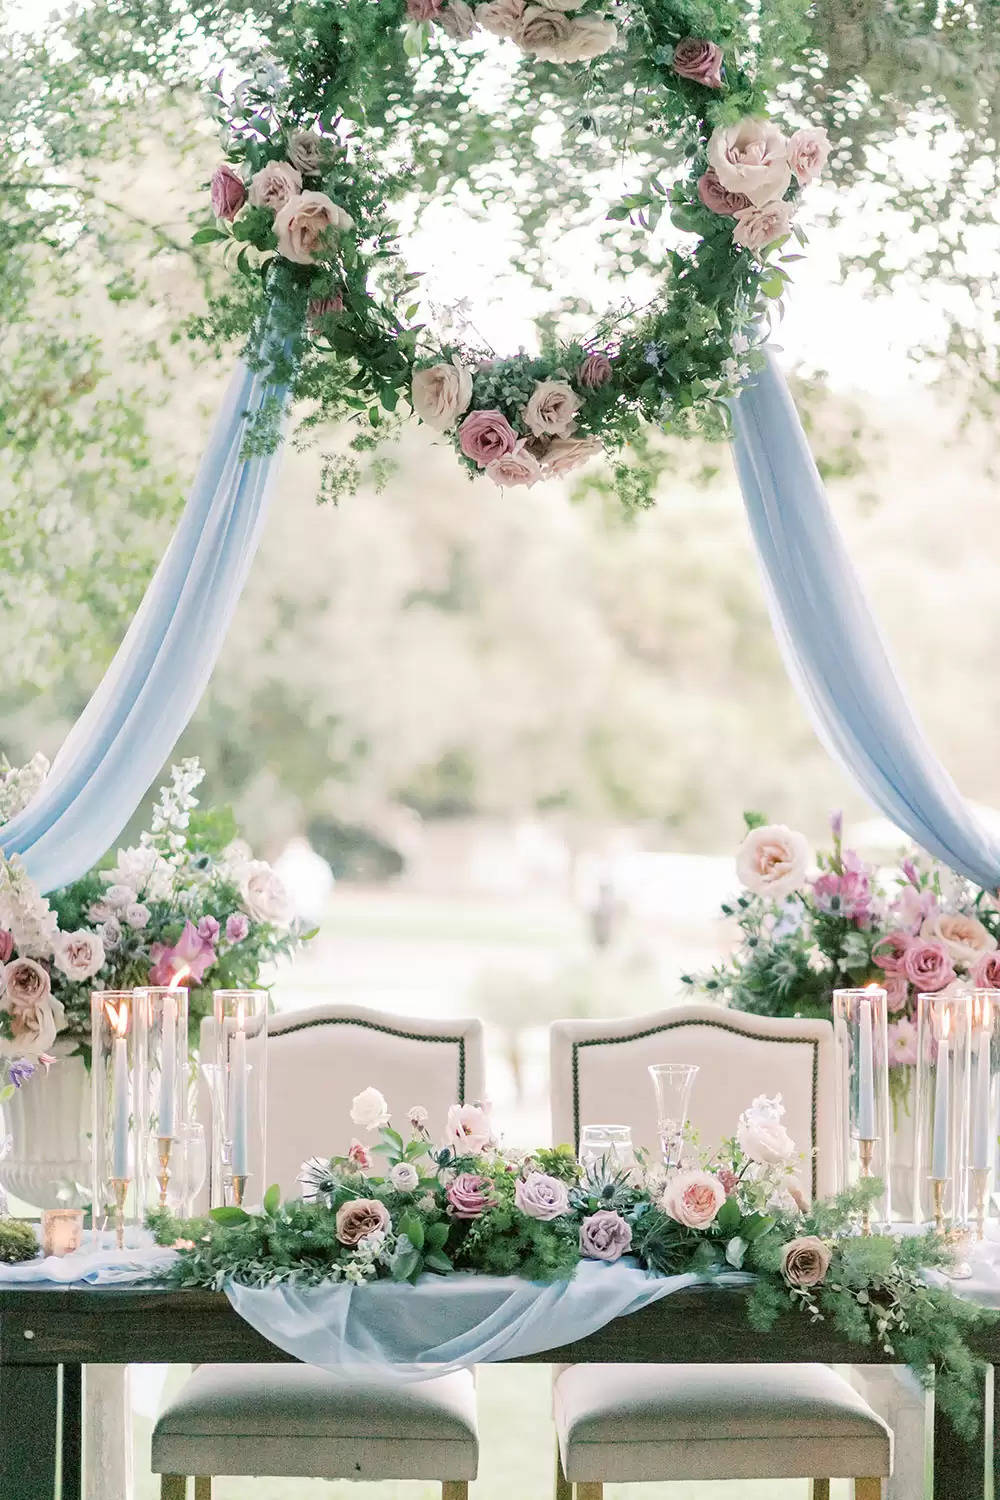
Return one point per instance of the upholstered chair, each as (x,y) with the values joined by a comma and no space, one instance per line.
(293,1420)
(625,1423)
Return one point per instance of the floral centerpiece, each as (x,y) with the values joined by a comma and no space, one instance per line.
(468,1204)
(188,899)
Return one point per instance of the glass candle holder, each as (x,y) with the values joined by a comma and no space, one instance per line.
(944,1048)
(117,1088)
(240,1097)
(162,1023)
(984,1063)
(672,1084)
(865,1123)
(607,1149)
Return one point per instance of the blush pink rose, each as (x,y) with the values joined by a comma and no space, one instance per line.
(807,153)
(563,455)
(693,1198)
(360,1218)
(758,227)
(751,157)
(228,192)
(986,973)
(928,966)
(274,185)
(718,199)
(485,436)
(595,371)
(889,953)
(500,17)
(304,221)
(518,468)
(469,1195)
(700,61)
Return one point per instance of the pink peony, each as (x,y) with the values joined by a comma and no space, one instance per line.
(469,1195)
(191,952)
(595,371)
(889,953)
(902,1040)
(807,153)
(928,966)
(6,945)
(718,199)
(700,61)
(485,436)
(359,1156)
(237,927)
(605,1236)
(897,992)
(986,973)
(228,192)
(693,1198)
(541,1197)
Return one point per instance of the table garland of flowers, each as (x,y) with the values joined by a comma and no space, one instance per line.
(323,298)
(188,897)
(470,1205)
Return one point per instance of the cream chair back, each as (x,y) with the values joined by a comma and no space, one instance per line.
(320,1058)
(599,1077)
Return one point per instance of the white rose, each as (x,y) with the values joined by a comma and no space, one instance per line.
(119,895)
(274,185)
(760,1134)
(468,1129)
(264,894)
(751,157)
(965,938)
(369,1109)
(589,36)
(441,393)
(404,1177)
(136,915)
(773,861)
(80,954)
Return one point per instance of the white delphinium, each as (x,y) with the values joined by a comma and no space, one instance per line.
(18,784)
(25,912)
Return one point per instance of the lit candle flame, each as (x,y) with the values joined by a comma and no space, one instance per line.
(117,1016)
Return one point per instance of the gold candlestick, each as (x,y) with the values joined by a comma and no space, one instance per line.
(980,1184)
(121,1187)
(938,1185)
(164,1142)
(866,1152)
(239,1187)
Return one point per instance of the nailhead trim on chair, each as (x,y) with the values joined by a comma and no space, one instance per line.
(406,1036)
(638,1036)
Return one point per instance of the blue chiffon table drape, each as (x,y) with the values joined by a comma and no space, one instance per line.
(832,646)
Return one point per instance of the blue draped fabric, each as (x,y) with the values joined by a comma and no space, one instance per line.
(831,643)
(159,673)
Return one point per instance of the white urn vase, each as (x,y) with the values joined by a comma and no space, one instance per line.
(48,1121)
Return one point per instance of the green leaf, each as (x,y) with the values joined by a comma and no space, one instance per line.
(620,211)
(272,1199)
(436,1235)
(413,1228)
(728,1217)
(436,1260)
(705,1258)
(757,1224)
(735,1251)
(207,236)
(230,1214)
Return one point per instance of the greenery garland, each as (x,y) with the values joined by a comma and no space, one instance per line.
(473,1206)
(321,293)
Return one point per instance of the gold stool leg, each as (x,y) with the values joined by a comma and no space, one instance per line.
(564,1490)
(821,1489)
(868,1489)
(203,1487)
(590,1491)
(173,1486)
(454,1489)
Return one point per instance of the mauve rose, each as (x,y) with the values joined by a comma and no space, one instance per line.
(928,966)
(469,1195)
(700,61)
(228,192)
(457,20)
(361,1217)
(237,927)
(303,222)
(274,185)
(897,992)
(136,914)
(544,33)
(986,973)
(563,455)
(807,153)
(595,371)
(693,1198)
(551,409)
(805,1261)
(6,945)
(605,1236)
(965,938)
(35,1015)
(756,228)
(517,468)
(306,151)
(440,393)
(889,953)
(541,1197)
(500,17)
(486,435)
(80,954)
(719,199)
(589,36)
(751,157)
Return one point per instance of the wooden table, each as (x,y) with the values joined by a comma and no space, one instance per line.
(46,1336)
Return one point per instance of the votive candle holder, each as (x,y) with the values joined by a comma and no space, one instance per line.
(865,1123)
(943,1121)
(117,1089)
(239,1098)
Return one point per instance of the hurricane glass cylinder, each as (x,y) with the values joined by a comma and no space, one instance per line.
(162,1019)
(865,1123)
(607,1149)
(672,1084)
(984,1062)
(240,1097)
(944,1058)
(117,1089)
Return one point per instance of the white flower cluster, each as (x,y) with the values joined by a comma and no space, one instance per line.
(172,813)
(25,912)
(18,784)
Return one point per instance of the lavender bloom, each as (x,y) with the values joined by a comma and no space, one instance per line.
(19,1071)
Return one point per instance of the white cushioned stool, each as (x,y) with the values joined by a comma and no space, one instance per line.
(294,1419)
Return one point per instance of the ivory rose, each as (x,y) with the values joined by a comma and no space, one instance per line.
(541,1197)
(563,455)
(544,33)
(594,372)
(468,1129)
(369,1108)
(719,199)
(26,997)
(761,1135)
(589,36)
(302,223)
(807,153)
(551,409)
(928,965)
(500,17)
(457,19)
(700,61)
(264,894)
(360,1218)
(227,192)
(751,157)
(517,468)
(441,393)
(756,228)
(965,938)
(404,1177)
(80,954)
(693,1198)
(486,435)
(805,1261)
(274,185)
(605,1236)
(773,861)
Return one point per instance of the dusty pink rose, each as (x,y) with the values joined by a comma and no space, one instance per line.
(304,221)
(237,927)
(274,185)
(457,19)
(469,1195)
(361,1217)
(756,228)
(772,861)
(589,36)
(26,997)
(517,468)
(605,1236)
(700,61)
(500,17)
(805,1261)
(889,953)
(541,1197)
(928,966)
(551,409)
(751,157)
(986,973)
(485,436)
(807,153)
(79,954)
(228,192)
(544,33)
(563,455)
(359,1156)
(693,1198)
(897,992)
(595,371)
(719,199)
(440,393)
(6,945)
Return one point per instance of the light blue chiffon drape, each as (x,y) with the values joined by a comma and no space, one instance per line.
(159,673)
(832,646)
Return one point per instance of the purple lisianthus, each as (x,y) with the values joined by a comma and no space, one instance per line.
(605,1236)
(469,1195)
(541,1197)
(208,928)
(237,927)
(20,1071)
